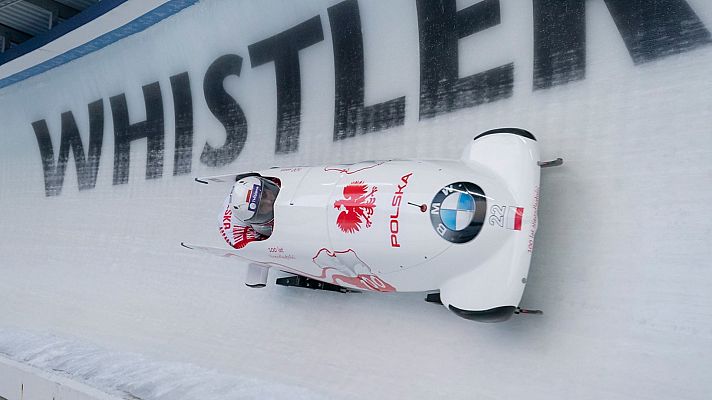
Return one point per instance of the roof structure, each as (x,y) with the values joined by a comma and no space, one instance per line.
(22,20)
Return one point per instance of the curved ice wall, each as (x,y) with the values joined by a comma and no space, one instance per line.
(98,155)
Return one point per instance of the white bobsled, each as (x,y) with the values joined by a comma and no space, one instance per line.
(461,228)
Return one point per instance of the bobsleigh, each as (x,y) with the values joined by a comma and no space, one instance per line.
(460,230)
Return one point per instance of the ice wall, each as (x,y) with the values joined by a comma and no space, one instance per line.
(620,89)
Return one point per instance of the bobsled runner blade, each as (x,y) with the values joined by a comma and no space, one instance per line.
(309,283)
(553,163)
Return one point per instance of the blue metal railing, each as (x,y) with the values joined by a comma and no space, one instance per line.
(139,24)
(89,14)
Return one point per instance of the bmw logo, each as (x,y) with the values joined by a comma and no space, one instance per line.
(457,211)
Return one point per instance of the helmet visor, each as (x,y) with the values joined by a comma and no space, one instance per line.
(265,204)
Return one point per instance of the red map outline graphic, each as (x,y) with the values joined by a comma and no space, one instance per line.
(365,281)
(348,170)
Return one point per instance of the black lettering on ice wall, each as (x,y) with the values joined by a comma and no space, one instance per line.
(283,49)
(226,110)
(183,105)
(351,117)
(651,29)
(440,27)
(87,167)
(124,133)
(559,42)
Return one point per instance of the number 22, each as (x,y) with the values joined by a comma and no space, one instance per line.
(497,217)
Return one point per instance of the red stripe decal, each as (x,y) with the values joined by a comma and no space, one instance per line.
(249,193)
(518,219)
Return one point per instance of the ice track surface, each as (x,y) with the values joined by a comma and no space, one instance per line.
(94,283)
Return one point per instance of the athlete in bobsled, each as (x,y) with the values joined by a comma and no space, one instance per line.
(460,230)
(250,206)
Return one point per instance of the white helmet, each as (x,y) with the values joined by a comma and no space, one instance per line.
(245,200)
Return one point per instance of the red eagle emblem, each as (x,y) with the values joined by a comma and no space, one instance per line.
(357,207)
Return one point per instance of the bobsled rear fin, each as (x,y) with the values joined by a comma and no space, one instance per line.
(230,178)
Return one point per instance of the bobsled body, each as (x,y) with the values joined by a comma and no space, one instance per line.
(462,227)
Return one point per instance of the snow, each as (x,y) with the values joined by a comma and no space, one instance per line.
(132,376)
(95,284)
